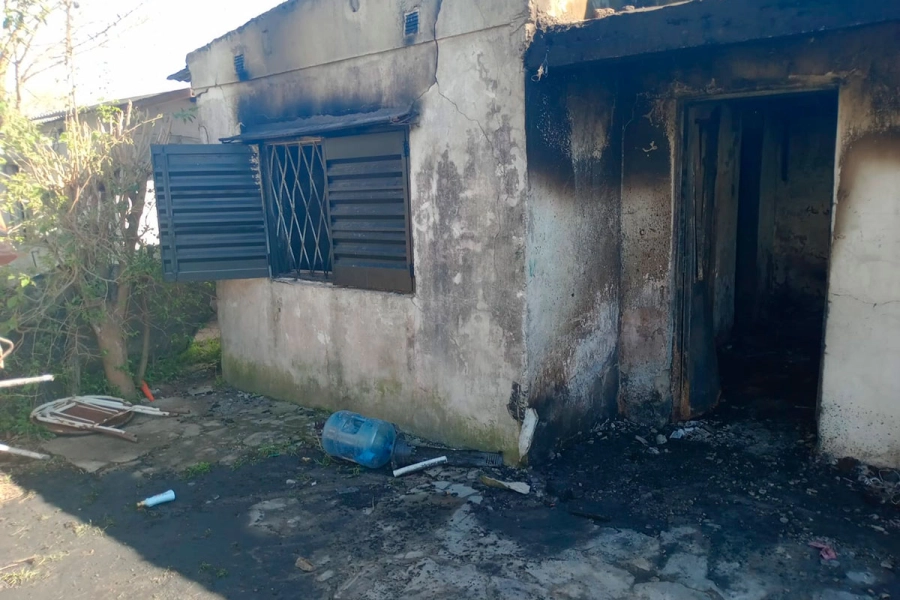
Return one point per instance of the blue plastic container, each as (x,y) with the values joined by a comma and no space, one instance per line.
(365,441)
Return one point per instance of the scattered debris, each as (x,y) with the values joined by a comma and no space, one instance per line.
(7,348)
(20,452)
(825,551)
(472,458)
(642,440)
(514,486)
(201,391)
(93,414)
(420,466)
(152,501)
(25,381)
(325,576)
(661,439)
(862,577)
(145,389)
(881,485)
(304,565)
(588,511)
(366,441)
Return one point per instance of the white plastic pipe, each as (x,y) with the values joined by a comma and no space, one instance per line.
(20,452)
(25,381)
(420,466)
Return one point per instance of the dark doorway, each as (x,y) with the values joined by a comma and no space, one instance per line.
(758,191)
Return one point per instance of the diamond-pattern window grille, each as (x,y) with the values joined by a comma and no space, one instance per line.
(297,191)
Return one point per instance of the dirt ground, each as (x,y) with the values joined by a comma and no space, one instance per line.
(727,511)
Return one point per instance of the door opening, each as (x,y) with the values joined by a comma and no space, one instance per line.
(758,189)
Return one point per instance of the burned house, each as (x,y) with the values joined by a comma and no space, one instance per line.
(470,217)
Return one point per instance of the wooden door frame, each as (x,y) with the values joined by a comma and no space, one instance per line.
(680,401)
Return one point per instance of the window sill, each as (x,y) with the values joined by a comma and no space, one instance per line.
(304,281)
(330,285)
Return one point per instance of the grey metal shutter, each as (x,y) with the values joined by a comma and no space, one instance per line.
(211,220)
(368,200)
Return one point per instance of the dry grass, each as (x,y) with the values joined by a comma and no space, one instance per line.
(19,578)
(89,528)
(26,570)
(9,491)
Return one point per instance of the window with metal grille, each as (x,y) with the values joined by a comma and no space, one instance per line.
(333,209)
(300,225)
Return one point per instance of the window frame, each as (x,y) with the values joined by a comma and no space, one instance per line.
(384,281)
(274,214)
(215,218)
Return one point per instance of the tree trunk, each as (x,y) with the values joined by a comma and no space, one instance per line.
(145,345)
(113,345)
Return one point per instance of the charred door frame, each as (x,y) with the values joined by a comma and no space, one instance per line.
(683,272)
(679,207)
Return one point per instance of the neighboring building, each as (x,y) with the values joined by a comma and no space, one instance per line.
(177,107)
(468,214)
(178,113)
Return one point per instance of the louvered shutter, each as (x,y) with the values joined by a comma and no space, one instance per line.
(368,200)
(211,220)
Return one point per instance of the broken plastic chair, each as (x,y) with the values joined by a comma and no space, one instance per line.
(94,414)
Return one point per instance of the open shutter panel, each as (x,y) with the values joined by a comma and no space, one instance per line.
(211,220)
(368,201)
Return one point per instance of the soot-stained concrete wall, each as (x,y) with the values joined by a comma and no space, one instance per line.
(572,253)
(859,414)
(446,361)
(800,190)
(647,325)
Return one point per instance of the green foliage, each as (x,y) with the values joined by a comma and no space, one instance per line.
(204,354)
(82,200)
(15,419)
(188,115)
(194,471)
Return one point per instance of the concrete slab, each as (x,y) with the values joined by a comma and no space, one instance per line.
(95,452)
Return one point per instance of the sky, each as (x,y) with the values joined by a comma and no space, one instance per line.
(149,43)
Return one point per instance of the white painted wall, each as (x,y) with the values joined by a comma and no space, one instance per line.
(860,406)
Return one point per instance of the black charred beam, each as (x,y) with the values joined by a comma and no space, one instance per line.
(700,23)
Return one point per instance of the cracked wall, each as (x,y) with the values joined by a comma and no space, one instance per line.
(444,362)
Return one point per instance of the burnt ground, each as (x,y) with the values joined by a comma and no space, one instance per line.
(728,511)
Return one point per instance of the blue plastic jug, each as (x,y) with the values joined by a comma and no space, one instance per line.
(365,441)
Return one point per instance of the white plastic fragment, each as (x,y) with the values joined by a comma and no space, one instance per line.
(420,466)
(513,486)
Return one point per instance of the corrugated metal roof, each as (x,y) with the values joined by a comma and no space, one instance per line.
(320,124)
(138,101)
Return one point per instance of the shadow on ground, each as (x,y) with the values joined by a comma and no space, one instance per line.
(726,512)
